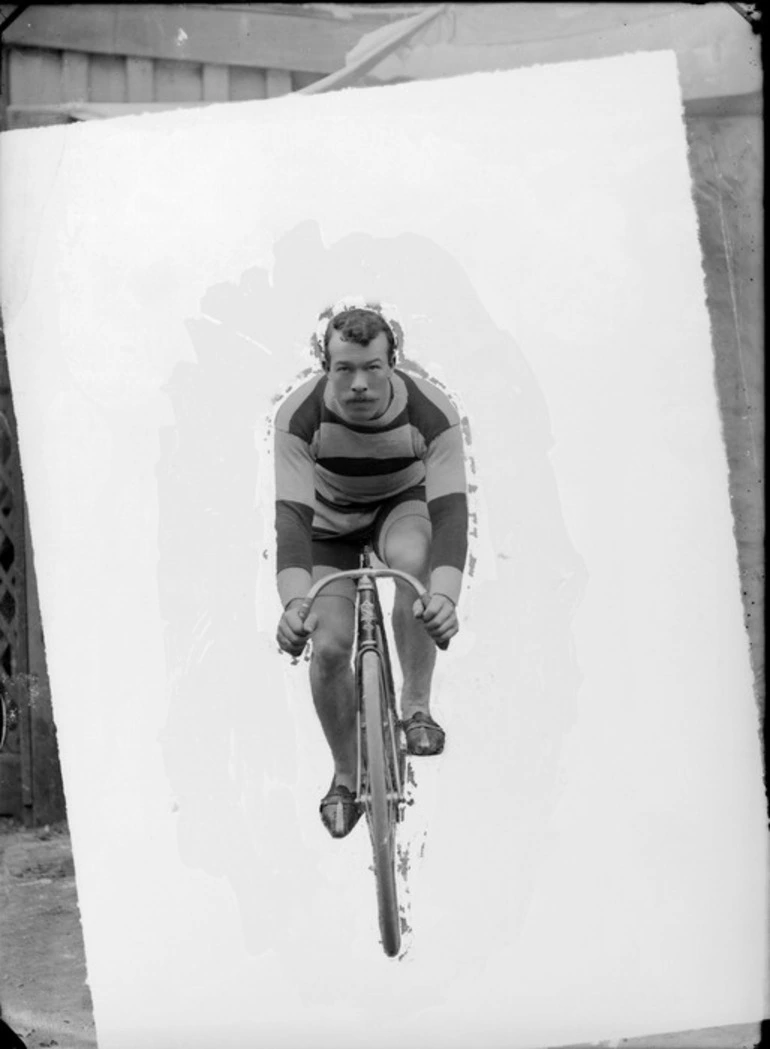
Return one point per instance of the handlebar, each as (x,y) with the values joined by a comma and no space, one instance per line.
(357,573)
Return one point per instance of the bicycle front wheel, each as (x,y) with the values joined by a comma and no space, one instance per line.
(381,809)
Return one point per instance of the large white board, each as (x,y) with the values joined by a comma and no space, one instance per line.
(586,860)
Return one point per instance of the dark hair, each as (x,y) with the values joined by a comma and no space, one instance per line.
(361,327)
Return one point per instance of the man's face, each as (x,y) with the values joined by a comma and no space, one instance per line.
(360,376)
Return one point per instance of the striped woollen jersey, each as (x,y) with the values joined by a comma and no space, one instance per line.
(332,475)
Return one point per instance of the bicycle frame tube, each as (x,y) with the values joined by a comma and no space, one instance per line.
(365,640)
(367,614)
(371,637)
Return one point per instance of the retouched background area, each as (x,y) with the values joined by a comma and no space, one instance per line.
(586,860)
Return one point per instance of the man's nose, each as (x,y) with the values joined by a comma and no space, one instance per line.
(359,382)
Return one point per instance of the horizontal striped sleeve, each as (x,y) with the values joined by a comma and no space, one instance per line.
(294,501)
(445,464)
(301,411)
(429,409)
(293,524)
(449,522)
(294,469)
(447,500)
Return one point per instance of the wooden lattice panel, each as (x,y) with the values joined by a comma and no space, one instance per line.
(13,664)
(9,553)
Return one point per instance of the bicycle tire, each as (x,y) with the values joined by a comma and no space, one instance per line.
(381,812)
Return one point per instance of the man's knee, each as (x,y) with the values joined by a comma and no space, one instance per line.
(407,548)
(332,650)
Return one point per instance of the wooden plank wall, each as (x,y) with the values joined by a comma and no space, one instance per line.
(42,76)
(262,36)
(187,53)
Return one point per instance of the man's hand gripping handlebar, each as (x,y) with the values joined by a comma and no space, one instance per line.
(437,611)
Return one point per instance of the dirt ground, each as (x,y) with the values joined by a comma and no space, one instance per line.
(43,990)
(43,987)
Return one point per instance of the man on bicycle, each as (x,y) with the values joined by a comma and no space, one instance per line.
(367,452)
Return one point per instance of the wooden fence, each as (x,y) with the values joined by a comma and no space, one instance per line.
(174,54)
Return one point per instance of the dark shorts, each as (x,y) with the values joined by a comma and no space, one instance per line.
(344,552)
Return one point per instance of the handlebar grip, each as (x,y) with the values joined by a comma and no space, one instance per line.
(443,645)
(304,609)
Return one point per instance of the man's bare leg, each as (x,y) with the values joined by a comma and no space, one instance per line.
(407,547)
(332,682)
(416,653)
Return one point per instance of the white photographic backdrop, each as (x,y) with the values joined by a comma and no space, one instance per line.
(587,859)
